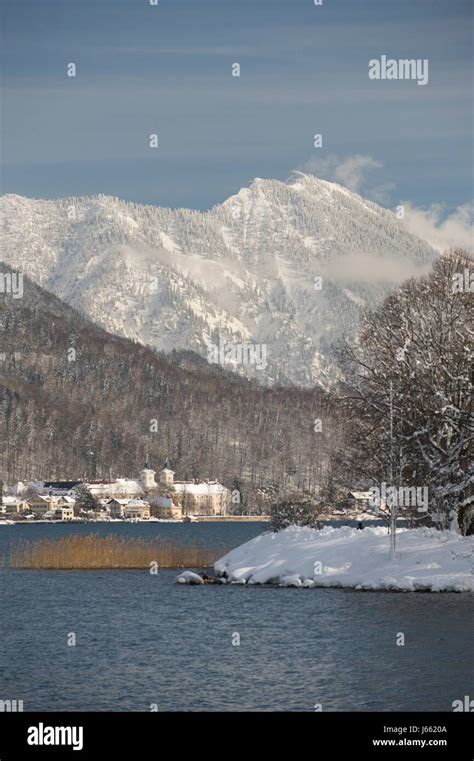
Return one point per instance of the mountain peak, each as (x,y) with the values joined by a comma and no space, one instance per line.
(242,273)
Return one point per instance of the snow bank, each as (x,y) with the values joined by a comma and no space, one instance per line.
(426,559)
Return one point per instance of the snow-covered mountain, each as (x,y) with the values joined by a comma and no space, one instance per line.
(244,272)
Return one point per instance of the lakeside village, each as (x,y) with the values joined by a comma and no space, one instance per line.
(120,499)
(297,555)
(142,499)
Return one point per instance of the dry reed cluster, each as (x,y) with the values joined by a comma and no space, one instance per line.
(93,552)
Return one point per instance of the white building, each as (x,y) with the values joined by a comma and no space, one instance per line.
(119,487)
(12,505)
(124,488)
(197,497)
(165,507)
(359,500)
(137,509)
(64,513)
(117,506)
(41,505)
(67,501)
(56,488)
(203,497)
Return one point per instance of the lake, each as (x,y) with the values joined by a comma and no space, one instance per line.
(142,639)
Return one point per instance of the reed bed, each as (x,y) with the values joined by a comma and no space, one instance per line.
(94,552)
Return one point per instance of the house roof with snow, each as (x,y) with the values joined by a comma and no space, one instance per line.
(62,485)
(119,486)
(362,495)
(203,488)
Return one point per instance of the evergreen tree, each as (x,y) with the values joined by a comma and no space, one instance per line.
(84,499)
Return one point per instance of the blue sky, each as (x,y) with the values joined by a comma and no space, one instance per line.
(167,69)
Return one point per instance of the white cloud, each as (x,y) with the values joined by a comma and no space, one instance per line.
(442,231)
(364,268)
(352,172)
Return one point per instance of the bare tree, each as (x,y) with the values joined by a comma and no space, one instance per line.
(408,391)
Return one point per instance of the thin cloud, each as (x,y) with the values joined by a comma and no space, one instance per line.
(362,268)
(442,231)
(353,172)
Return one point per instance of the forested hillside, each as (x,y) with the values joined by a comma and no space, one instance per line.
(77,401)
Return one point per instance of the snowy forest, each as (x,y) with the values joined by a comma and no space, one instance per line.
(407,390)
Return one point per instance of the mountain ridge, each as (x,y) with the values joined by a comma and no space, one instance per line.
(243,272)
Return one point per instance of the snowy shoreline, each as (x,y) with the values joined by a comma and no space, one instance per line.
(426,560)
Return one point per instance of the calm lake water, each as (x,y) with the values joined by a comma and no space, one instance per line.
(143,639)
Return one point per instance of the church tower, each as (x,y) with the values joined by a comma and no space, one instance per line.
(167,475)
(147,476)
